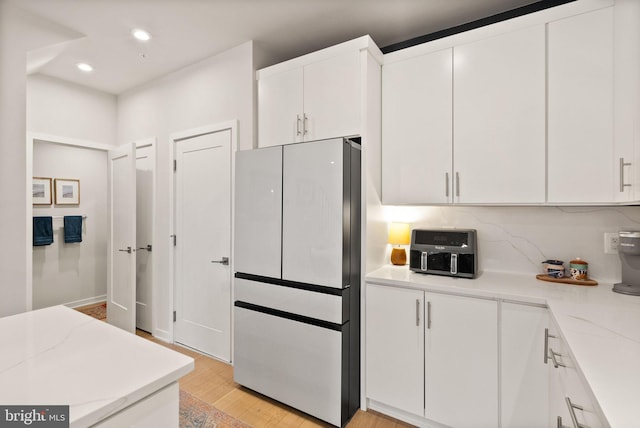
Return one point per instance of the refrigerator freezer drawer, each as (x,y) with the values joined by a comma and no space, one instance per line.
(326,307)
(295,363)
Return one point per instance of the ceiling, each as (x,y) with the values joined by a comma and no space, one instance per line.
(187,31)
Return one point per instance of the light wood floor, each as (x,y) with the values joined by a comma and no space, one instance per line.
(212,381)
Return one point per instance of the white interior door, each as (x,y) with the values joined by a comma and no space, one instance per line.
(145,193)
(121,272)
(203,241)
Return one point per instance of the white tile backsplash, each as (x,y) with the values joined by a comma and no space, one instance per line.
(518,239)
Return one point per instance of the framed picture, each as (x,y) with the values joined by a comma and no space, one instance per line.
(41,191)
(67,191)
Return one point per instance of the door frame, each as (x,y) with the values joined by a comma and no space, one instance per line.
(176,137)
(32,137)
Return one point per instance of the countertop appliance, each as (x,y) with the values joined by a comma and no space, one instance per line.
(450,252)
(629,252)
(297,280)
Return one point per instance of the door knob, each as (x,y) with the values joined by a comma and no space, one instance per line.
(224,261)
(128,250)
(148,248)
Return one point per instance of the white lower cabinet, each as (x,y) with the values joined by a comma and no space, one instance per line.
(461,361)
(524,378)
(395,347)
(571,403)
(432,358)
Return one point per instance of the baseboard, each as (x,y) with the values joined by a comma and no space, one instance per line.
(87,301)
(401,415)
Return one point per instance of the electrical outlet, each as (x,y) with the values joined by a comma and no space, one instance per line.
(611,243)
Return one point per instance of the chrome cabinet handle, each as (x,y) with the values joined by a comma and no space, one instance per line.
(560,425)
(457,184)
(446,184)
(428,315)
(148,248)
(224,261)
(298,125)
(128,250)
(572,412)
(546,344)
(304,123)
(417,312)
(553,355)
(454,263)
(622,183)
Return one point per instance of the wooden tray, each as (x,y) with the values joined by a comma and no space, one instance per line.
(543,277)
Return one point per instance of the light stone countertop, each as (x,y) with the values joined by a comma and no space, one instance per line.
(600,327)
(59,356)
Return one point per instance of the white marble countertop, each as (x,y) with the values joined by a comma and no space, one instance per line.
(58,356)
(601,328)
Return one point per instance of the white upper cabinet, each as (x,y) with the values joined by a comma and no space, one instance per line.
(316,96)
(280,108)
(499,119)
(332,97)
(580,109)
(417,129)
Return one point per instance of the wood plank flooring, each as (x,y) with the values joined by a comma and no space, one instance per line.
(212,381)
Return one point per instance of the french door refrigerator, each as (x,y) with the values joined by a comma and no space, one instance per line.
(297,280)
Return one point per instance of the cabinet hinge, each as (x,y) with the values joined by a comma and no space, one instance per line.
(174,316)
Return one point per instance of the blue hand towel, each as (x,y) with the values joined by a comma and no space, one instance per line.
(42,231)
(72,228)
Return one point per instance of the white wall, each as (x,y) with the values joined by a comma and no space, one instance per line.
(218,89)
(518,239)
(65,109)
(75,273)
(20,32)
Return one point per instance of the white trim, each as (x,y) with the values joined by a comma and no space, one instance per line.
(175,137)
(56,139)
(87,301)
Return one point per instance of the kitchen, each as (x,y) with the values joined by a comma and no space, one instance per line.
(515,239)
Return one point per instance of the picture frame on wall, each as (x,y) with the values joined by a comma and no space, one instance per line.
(67,191)
(41,191)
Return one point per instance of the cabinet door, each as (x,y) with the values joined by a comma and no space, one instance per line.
(461,361)
(280,108)
(395,347)
(499,118)
(524,374)
(417,130)
(258,213)
(332,97)
(580,161)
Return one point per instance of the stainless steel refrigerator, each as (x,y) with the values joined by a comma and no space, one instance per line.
(297,280)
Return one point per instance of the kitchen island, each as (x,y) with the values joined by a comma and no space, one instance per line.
(108,377)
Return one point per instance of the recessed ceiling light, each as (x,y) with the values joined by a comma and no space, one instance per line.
(84,67)
(141,35)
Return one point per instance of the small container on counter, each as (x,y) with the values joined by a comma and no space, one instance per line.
(579,269)
(554,268)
